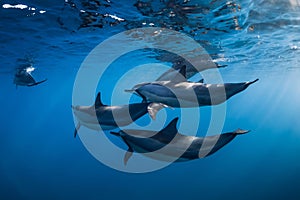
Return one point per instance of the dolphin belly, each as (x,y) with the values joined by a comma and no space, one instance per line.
(121,115)
(177,151)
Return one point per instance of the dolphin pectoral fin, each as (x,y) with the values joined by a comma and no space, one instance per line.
(154,108)
(241,131)
(129,152)
(128,155)
(37,83)
(75,132)
(76,129)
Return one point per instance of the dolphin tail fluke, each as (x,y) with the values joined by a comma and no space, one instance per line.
(241,131)
(37,83)
(154,108)
(251,82)
(76,130)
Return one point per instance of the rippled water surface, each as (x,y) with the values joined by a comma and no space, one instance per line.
(253,38)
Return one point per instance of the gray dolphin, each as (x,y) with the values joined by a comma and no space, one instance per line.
(179,92)
(190,71)
(111,117)
(23,77)
(175,146)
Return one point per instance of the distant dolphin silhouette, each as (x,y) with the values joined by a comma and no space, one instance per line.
(191,70)
(179,92)
(111,117)
(24,78)
(175,146)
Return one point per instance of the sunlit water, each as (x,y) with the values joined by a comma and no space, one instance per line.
(256,39)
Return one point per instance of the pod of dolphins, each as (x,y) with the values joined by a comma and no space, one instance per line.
(167,144)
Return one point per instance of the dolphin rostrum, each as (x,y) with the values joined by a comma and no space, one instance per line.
(179,92)
(23,77)
(169,145)
(111,117)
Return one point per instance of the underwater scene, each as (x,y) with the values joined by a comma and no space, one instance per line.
(150,99)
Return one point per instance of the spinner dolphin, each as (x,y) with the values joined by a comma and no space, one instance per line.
(173,145)
(111,117)
(179,92)
(23,77)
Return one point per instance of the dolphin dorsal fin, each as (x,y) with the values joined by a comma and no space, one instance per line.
(98,102)
(180,76)
(170,130)
(201,81)
(182,71)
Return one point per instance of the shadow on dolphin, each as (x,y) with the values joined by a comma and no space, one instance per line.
(23,77)
(111,117)
(169,145)
(179,92)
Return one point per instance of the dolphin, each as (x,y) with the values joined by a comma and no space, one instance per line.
(111,117)
(190,71)
(179,92)
(23,77)
(169,145)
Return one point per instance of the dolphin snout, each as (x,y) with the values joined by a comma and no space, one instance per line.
(130,91)
(136,87)
(74,107)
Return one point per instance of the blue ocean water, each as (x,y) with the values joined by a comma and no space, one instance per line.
(256,39)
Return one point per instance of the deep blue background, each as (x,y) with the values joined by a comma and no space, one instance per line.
(41,159)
